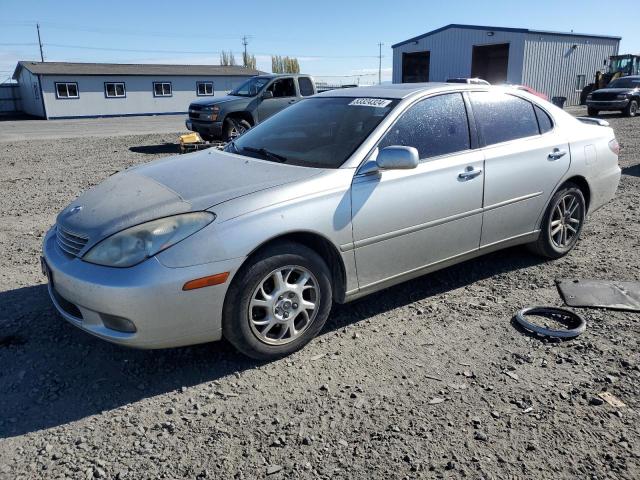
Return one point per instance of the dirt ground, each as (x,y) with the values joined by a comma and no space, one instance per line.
(428,379)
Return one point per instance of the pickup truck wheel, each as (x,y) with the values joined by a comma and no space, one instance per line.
(632,109)
(592,112)
(233,128)
(278,301)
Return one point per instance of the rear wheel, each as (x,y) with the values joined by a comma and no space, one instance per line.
(592,112)
(233,128)
(562,223)
(632,109)
(278,302)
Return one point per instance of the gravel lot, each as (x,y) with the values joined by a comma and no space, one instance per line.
(428,379)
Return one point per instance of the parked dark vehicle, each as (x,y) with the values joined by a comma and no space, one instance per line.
(623,94)
(249,104)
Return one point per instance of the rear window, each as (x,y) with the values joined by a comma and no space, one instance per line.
(501,117)
(306,86)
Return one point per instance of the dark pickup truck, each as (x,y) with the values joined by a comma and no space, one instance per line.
(252,102)
(622,94)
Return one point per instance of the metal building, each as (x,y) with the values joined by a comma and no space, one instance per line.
(557,64)
(71,90)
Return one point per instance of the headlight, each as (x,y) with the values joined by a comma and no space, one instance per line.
(589,97)
(211,112)
(621,96)
(133,245)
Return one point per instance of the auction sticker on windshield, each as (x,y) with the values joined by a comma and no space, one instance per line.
(371,102)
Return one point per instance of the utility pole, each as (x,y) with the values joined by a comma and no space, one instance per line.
(245,42)
(380,63)
(40,43)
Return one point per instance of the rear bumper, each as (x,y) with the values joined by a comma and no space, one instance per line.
(608,104)
(212,129)
(149,295)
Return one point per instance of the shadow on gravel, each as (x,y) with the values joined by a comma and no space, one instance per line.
(52,373)
(433,284)
(156,149)
(633,170)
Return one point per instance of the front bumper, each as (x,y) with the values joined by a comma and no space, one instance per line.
(608,104)
(149,295)
(211,129)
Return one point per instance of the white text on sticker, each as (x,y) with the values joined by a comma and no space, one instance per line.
(370,102)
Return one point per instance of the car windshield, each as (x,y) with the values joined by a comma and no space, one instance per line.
(319,132)
(625,83)
(250,88)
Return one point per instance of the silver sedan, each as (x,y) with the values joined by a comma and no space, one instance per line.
(338,196)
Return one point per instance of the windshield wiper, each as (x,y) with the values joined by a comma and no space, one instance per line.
(265,153)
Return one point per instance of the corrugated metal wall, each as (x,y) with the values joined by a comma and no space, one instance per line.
(545,62)
(552,65)
(9,99)
(451,52)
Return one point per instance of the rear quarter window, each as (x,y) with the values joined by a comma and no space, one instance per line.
(544,121)
(501,117)
(306,86)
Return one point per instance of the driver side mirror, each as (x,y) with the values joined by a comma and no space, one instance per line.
(397,158)
(267,94)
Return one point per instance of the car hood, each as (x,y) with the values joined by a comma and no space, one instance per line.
(171,186)
(217,100)
(614,90)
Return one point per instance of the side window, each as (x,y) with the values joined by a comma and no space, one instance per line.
(306,87)
(162,89)
(501,117)
(66,90)
(544,121)
(283,88)
(435,126)
(204,89)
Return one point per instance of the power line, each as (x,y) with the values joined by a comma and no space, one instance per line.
(209,52)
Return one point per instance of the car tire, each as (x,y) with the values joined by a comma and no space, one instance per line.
(255,301)
(632,109)
(592,112)
(565,215)
(233,128)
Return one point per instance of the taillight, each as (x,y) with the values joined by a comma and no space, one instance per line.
(614,146)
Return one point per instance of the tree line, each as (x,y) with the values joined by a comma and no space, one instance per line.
(279,64)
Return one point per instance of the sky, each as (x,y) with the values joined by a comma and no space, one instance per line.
(336,41)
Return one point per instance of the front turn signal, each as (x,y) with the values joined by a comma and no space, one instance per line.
(211,280)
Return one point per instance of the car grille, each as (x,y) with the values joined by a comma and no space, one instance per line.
(194,111)
(69,242)
(604,96)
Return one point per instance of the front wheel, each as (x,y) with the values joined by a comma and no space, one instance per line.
(562,223)
(233,128)
(277,302)
(632,109)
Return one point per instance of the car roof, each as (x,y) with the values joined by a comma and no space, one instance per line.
(395,90)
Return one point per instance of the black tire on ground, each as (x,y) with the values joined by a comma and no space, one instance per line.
(550,242)
(234,127)
(592,112)
(632,109)
(236,326)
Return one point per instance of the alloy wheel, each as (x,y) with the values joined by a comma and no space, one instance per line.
(566,221)
(284,305)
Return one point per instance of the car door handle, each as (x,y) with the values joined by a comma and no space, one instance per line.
(292,101)
(469,173)
(557,154)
